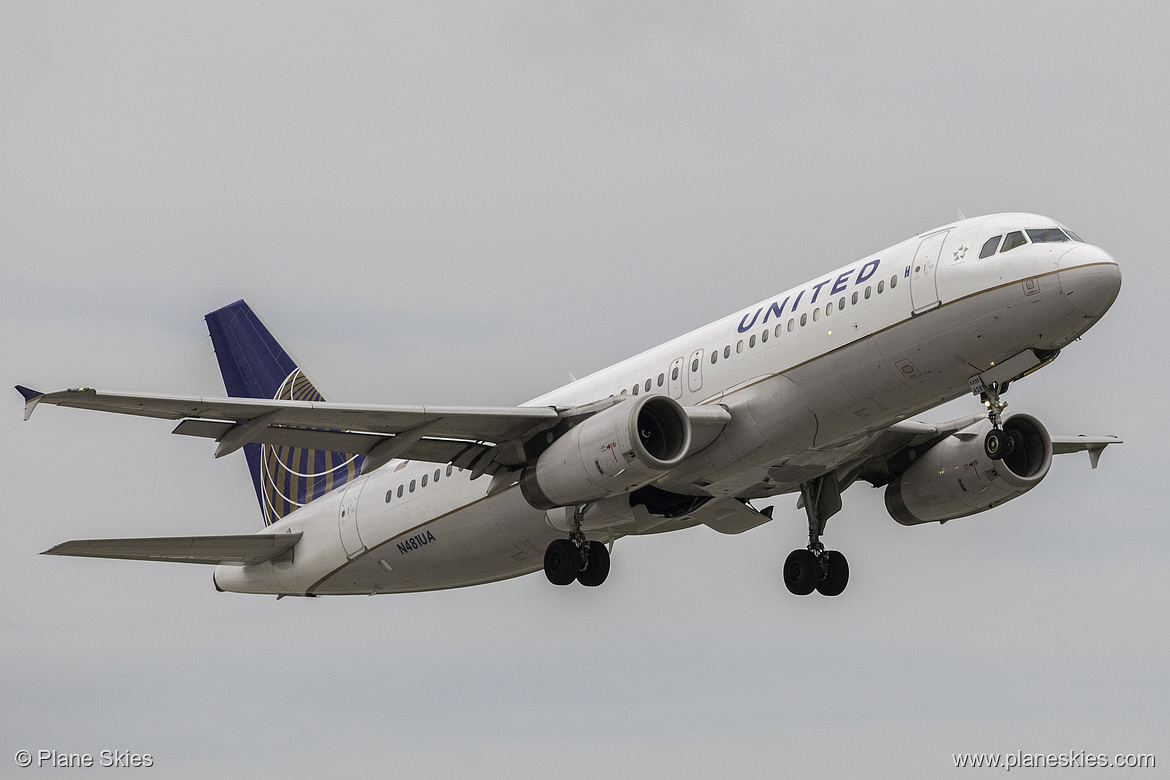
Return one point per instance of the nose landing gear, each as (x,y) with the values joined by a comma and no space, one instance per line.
(998,444)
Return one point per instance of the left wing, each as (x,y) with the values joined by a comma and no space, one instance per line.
(1094,445)
(898,446)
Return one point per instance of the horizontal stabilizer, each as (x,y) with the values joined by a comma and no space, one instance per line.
(240,549)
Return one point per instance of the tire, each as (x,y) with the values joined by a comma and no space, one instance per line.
(995,445)
(598,568)
(1015,443)
(561,562)
(837,574)
(802,570)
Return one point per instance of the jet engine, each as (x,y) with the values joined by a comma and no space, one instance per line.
(956,478)
(615,451)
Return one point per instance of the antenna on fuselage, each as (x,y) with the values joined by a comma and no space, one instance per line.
(962,216)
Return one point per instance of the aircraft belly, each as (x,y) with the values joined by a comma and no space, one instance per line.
(466,546)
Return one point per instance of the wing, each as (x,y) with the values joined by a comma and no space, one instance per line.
(241,549)
(1094,445)
(477,438)
(897,447)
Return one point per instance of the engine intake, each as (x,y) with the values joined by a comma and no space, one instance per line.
(955,478)
(615,451)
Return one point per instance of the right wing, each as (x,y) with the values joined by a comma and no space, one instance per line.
(477,438)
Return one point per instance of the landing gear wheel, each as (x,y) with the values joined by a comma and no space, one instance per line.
(802,570)
(996,444)
(562,561)
(1015,442)
(836,574)
(597,567)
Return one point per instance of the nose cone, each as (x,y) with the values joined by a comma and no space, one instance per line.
(1090,279)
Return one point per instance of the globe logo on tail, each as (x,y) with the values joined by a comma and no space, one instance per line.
(294,476)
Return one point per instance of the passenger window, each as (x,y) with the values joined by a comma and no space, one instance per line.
(867,289)
(412,486)
(449,465)
(779,328)
(389,493)
(764,336)
(739,347)
(893,281)
(661,379)
(436,475)
(791,325)
(424,480)
(751,342)
(647,385)
(803,319)
(829,308)
(694,365)
(816,313)
(841,303)
(1013,240)
(855,299)
(881,286)
(400,491)
(674,374)
(989,247)
(635,389)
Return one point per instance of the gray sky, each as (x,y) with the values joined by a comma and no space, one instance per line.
(461,204)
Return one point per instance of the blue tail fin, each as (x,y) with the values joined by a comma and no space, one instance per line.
(254,365)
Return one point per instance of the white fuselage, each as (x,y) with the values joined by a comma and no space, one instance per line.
(811,376)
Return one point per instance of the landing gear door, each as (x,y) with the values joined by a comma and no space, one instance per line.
(923,273)
(347,520)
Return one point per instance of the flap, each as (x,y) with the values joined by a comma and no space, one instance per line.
(729,516)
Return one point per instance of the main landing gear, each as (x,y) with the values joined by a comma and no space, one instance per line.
(998,444)
(815,568)
(576,558)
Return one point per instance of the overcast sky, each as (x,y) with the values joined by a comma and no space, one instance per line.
(462,204)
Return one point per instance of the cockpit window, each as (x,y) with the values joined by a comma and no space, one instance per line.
(989,248)
(1046,235)
(1073,236)
(1013,240)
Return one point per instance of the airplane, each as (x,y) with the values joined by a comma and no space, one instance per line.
(803,393)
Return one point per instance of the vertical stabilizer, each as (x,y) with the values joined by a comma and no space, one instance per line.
(254,365)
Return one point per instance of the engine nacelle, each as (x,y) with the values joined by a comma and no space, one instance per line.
(955,478)
(615,451)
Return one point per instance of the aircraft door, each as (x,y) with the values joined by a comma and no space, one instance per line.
(695,371)
(674,378)
(347,520)
(923,273)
